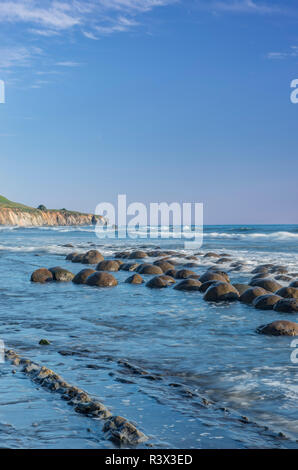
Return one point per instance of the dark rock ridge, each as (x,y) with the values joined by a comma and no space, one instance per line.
(116,427)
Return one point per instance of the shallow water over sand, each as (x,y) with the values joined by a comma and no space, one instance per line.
(186,349)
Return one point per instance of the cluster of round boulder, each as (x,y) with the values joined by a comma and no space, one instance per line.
(263,292)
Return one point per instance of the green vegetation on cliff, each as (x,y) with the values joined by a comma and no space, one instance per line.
(7,204)
(13,205)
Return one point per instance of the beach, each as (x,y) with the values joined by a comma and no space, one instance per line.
(188,373)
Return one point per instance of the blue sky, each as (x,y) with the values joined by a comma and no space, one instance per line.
(157,99)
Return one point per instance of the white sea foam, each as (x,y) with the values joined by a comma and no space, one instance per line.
(251,236)
(177,231)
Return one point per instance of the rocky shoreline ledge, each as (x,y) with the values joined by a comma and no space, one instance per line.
(116,428)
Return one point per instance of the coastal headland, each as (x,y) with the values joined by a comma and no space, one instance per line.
(16,214)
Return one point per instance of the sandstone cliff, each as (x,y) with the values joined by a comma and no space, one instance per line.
(38,218)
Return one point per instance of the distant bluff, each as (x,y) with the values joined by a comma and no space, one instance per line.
(13,213)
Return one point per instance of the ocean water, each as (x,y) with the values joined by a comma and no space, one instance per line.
(206,367)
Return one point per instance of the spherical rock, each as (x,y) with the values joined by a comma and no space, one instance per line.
(42,275)
(251,294)
(184,274)
(259,276)
(288,292)
(190,265)
(138,254)
(189,285)
(294,284)
(92,257)
(108,265)
(129,267)
(135,279)
(149,269)
(241,288)
(278,270)
(44,342)
(101,279)
(157,283)
(223,260)
(119,261)
(211,255)
(61,275)
(191,257)
(266,302)
(171,272)
(267,284)
(122,254)
(221,291)
(168,279)
(172,261)
(279,328)
(156,253)
(286,306)
(262,268)
(236,264)
(283,277)
(78,258)
(82,276)
(206,285)
(224,274)
(71,256)
(237,268)
(163,265)
(211,276)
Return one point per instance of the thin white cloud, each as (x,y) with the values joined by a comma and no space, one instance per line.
(242,6)
(17,56)
(134,5)
(276,55)
(56,15)
(284,55)
(51,14)
(90,35)
(48,72)
(40,83)
(68,63)
(43,32)
(117,25)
